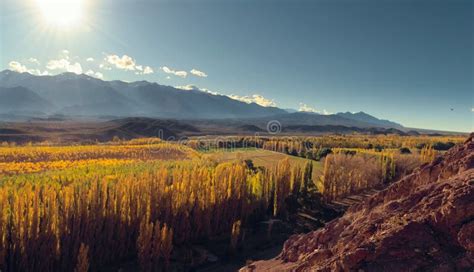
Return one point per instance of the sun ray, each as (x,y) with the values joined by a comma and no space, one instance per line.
(62,13)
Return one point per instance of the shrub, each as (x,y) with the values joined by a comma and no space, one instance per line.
(348,152)
(440,146)
(323,152)
(378,148)
(405,150)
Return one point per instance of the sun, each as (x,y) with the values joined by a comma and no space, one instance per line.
(62,13)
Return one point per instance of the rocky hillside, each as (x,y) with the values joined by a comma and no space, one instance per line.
(424,222)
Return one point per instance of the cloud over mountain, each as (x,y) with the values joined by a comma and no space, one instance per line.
(20,68)
(65,65)
(125,62)
(305,108)
(168,70)
(17,67)
(143,70)
(95,74)
(191,87)
(255,98)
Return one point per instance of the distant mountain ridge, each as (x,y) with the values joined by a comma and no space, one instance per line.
(69,94)
(364,117)
(72,94)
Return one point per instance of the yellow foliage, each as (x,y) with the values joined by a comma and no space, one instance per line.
(65,208)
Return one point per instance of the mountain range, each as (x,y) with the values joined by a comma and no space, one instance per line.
(73,95)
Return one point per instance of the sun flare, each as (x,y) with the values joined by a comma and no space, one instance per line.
(62,13)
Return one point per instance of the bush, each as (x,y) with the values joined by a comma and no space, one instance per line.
(323,152)
(349,152)
(440,146)
(378,148)
(250,165)
(405,150)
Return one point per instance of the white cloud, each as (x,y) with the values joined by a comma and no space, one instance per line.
(305,108)
(168,70)
(17,67)
(38,72)
(64,54)
(191,87)
(188,87)
(125,62)
(182,74)
(147,70)
(198,73)
(168,77)
(95,74)
(65,64)
(256,98)
(90,59)
(472,109)
(105,67)
(34,60)
(20,68)
(144,70)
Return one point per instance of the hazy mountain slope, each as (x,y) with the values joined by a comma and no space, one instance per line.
(366,118)
(171,102)
(315,119)
(73,94)
(22,100)
(83,95)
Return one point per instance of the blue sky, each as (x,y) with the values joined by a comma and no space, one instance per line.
(407,61)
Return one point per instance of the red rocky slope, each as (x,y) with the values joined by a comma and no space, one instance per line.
(424,222)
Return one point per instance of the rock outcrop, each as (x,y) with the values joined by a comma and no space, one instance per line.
(424,222)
